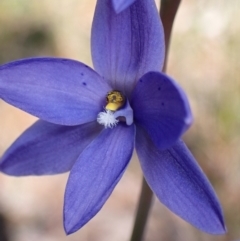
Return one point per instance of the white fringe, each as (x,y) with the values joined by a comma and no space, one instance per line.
(107,119)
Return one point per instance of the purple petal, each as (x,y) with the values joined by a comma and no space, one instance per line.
(162,108)
(61,91)
(47,148)
(127,45)
(120,5)
(179,183)
(95,174)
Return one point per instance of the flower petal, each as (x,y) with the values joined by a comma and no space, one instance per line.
(179,183)
(162,108)
(95,174)
(127,45)
(46,148)
(61,91)
(120,5)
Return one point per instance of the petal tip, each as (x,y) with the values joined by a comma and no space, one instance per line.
(224,229)
(68,230)
(119,6)
(220,231)
(69,227)
(117,9)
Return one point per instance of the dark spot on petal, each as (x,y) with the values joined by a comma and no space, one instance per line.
(82,74)
(86,66)
(141,80)
(162,103)
(159,88)
(84,83)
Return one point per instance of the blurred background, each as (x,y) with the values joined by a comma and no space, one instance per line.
(204,58)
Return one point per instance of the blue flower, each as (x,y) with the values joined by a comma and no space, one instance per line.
(93,138)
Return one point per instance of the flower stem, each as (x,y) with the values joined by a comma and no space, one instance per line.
(168,12)
(144,205)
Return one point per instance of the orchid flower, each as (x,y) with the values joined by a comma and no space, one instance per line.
(90,120)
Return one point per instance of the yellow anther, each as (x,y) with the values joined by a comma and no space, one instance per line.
(115,100)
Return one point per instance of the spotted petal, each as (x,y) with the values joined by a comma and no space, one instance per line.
(60,91)
(127,45)
(179,183)
(95,174)
(120,5)
(161,108)
(46,148)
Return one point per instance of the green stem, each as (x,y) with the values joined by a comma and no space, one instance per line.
(144,205)
(168,12)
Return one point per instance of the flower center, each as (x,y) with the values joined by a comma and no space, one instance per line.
(117,109)
(115,100)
